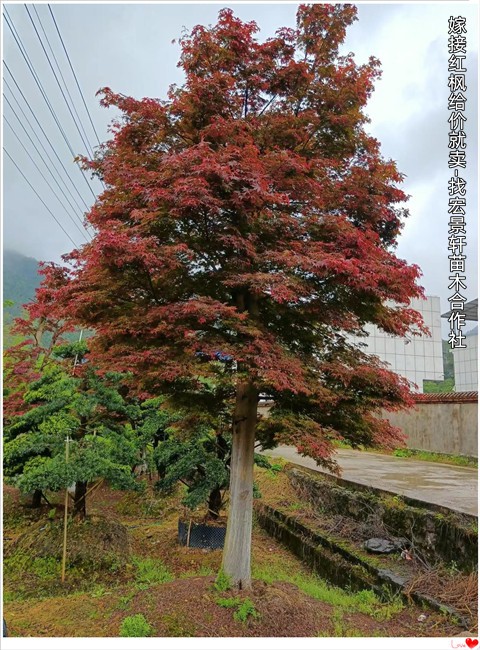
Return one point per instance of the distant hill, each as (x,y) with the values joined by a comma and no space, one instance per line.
(20,279)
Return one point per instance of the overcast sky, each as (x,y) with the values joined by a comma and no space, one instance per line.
(129,48)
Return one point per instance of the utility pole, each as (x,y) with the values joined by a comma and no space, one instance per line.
(65,519)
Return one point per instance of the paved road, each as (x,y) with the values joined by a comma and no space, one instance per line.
(445,485)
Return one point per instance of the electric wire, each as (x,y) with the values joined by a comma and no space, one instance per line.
(34,74)
(40,198)
(25,118)
(73,72)
(42,130)
(85,143)
(41,173)
(62,77)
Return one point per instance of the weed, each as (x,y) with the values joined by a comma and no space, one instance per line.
(150,572)
(245,607)
(136,625)
(228,602)
(222,582)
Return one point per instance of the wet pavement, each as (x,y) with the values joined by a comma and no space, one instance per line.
(445,485)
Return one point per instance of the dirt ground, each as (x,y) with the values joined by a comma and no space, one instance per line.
(185,602)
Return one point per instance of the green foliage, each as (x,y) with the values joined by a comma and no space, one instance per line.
(244,607)
(151,572)
(195,462)
(91,410)
(438,385)
(223,582)
(448,361)
(234,601)
(135,626)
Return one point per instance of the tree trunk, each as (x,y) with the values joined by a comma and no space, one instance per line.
(36,499)
(79,501)
(238,540)
(214,503)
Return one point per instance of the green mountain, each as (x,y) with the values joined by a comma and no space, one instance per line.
(20,279)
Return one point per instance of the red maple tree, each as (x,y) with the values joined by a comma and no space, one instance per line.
(250,214)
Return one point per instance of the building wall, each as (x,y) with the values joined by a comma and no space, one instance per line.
(447,428)
(417,357)
(466,364)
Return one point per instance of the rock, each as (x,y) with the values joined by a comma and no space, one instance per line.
(382,546)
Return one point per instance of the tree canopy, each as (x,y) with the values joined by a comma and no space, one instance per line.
(249,215)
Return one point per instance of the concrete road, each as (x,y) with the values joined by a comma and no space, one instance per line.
(445,485)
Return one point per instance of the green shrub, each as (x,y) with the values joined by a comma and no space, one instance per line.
(246,609)
(136,625)
(151,572)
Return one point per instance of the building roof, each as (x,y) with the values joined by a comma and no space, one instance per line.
(470,311)
(430,398)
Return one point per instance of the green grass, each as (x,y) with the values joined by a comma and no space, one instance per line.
(430,456)
(135,626)
(419,454)
(150,572)
(366,601)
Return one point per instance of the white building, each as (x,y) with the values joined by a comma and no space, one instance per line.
(416,357)
(466,359)
(466,363)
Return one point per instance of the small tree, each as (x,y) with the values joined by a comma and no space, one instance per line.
(87,408)
(250,213)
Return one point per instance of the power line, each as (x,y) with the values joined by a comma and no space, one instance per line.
(41,128)
(85,143)
(61,75)
(34,74)
(40,198)
(67,189)
(73,72)
(43,160)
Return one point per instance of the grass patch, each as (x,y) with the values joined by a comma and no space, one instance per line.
(432,457)
(418,454)
(150,572)
(135,626)
(366,601)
